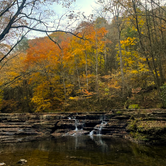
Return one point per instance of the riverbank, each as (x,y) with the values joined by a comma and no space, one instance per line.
(142,126)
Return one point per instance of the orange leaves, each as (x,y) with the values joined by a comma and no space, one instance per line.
(48,65)
(40,49)
(56,74)
(101,32)
(43,49)
(87,93)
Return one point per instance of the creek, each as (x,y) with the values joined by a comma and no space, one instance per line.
(82,151)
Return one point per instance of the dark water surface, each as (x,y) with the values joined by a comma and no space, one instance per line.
(83,151)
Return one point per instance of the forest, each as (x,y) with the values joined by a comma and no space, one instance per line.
(104,64)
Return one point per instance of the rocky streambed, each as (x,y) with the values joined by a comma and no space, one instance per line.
(141,126)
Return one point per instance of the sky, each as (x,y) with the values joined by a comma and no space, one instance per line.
(86,5)
(83,6)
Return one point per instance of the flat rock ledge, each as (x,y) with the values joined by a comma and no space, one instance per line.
(141,126)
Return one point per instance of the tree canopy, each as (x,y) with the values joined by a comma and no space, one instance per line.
(102,64)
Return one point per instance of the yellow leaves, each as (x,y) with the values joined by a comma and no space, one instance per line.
(77,51)
(83,52)
(106,90)
(58,98)
(13,70)
(134,72)
(42,104)
(71,98)
(37,100)
(134,29)
(133,64)
(128,42)
(45,94)
(144,59)
(74,98)
(141,21)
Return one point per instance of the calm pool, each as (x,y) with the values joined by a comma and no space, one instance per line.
(83,151)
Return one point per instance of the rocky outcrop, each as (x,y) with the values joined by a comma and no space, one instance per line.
(142,126)
(14,127)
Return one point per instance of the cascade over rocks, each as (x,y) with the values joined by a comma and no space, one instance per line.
(142,126)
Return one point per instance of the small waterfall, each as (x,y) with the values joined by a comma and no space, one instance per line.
(91,133)
(98,128)
(103,124)
(76,124)
(78,128)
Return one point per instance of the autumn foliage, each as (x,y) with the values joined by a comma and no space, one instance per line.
(84,72)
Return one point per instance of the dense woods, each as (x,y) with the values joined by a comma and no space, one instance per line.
(103,64)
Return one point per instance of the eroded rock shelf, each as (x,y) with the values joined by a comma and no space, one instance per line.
(142,126)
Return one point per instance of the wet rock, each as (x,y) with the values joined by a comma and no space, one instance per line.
(60,132)
(66,123)
(64,133)
(76,133)
(22,161)
(145,125)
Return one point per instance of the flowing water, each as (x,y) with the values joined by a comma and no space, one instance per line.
(82,151)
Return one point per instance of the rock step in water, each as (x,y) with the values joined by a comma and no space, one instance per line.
(35,124)
(115,123)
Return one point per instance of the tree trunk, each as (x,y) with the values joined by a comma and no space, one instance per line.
(120,50)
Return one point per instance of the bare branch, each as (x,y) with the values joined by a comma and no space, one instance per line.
(13,47)
(8,61)
(30,18)
(8,27)
(53,41)
(48,31)
(7,9)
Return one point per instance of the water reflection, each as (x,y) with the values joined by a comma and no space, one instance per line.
(100,142)
(83,151)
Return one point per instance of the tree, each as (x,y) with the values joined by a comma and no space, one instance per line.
(115,9)
(148,18)
(22,46)
(50,68)
(19,17)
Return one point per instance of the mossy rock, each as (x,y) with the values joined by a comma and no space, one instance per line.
(134,106)
(139,137)
(119,112)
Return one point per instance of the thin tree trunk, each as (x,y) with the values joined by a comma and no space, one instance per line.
(151,49)
(142,46)
(86,71)
(78,78)
(96,69)
(120,51)
(105,58)
(63,77)
(64,87)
